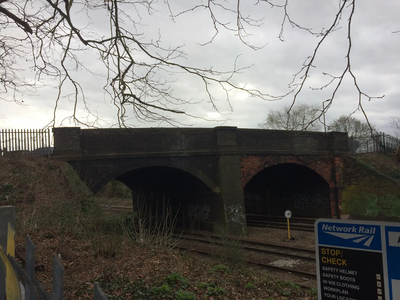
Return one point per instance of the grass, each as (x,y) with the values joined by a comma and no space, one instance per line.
(372,187)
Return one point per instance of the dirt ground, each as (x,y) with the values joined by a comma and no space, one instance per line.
(83,266)
(299,239)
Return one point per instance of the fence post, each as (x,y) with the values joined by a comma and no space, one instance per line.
(98,293)
(383,142)
(30,258)
(48,143)
(1,149)
(7,216)
(58,277)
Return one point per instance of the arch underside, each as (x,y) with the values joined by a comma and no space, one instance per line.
(122,170)
(191,199)
(288,187)
(160,179)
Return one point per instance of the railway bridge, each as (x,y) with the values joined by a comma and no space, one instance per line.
(216,176)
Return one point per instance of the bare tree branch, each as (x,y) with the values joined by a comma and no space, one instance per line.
(139,73)
(304,72)
(16,19)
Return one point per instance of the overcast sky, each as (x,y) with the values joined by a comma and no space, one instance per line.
(375,61)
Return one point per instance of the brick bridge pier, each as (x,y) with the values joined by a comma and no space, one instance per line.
(214,175)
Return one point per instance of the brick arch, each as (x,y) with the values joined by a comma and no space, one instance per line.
(146,164)
(252,165)
(288,185)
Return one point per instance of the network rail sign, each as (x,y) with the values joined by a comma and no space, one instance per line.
(357,260)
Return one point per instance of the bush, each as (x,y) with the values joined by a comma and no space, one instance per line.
(362,205)
(391,206)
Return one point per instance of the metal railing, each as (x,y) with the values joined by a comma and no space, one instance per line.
(27,141)
(19,284)
(380,142)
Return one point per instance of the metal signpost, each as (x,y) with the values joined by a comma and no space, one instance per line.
(357,260)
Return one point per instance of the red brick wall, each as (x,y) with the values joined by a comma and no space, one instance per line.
(329,168)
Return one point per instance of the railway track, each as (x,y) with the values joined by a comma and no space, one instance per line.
(297,261)
(296,223)
(303,224)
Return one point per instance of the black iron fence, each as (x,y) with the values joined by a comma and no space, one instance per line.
(379,142)
(27,141)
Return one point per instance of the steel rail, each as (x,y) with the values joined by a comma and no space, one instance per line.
(259,264)
(302,256)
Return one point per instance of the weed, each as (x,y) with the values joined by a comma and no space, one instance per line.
(220,269)
(285,292)
(314,292)
(286,288)
(105,245)
(152,226)
(183,295)
(136,290)
(250,286)
(215,291)
(161,290)
(202,285)
(7,187)
(211,290)
(178,279)
(291,285)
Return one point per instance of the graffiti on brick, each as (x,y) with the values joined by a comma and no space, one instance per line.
(306,201)
(198,212)
(234,214)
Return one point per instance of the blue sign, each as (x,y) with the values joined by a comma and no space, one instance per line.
(392,236)
(357,260)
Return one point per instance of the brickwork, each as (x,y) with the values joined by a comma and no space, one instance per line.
(251,165)
(225,159)
(328,167)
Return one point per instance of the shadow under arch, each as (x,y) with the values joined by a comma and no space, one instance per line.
(288,186)
(190,199)
(121,172)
